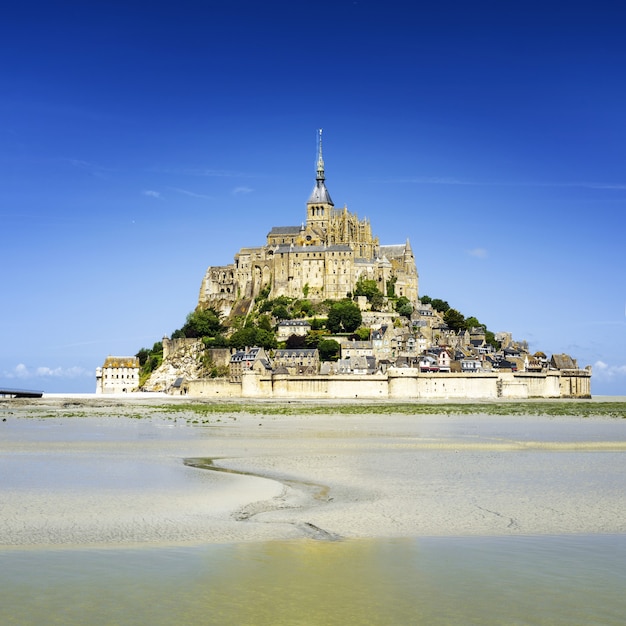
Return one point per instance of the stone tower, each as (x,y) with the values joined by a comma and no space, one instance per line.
(320,204)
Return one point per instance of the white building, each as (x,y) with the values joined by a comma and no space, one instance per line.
(119,374)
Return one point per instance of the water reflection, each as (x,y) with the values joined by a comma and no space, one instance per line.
(507,580)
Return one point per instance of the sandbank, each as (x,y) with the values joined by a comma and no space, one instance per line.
(84,471)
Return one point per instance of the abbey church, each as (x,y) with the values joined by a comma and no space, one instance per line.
(323,258)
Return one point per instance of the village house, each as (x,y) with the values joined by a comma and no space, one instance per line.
(249,359)
(352,349)
(297,360)
(287,328)
(359,364)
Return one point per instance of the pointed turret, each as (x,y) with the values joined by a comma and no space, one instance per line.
(320,194)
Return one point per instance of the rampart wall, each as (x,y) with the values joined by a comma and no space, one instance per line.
(400,384)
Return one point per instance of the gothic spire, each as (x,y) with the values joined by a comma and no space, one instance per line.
(320,194)
(320,159)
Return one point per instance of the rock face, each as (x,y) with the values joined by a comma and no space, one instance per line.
(182,358)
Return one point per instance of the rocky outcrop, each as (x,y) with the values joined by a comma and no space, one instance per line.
(182,360)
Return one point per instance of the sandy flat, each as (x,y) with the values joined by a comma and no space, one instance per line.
(94,473)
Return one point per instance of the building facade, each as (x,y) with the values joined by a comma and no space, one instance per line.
(119,374)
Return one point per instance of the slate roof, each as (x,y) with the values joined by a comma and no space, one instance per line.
(285,230)
(563,362)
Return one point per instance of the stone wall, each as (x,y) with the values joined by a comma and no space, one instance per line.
(400,384)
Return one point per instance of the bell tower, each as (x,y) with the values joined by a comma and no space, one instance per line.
(319,206)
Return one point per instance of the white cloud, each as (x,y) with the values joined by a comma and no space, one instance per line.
(604,371)
(20,371)
(479,253)
(242,190)
(23,372)
(151,193)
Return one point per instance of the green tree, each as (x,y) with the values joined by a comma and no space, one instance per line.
(266,339)
(244,337)
(263,293)
(266,306)
(377,301)
(472,322)
(202,323)
(329,350)
(151,360)
(303,308)
(403,306)
(281,312)
(318,324)
(439,305)
(344,316)
(454,320)
(313,338)
(369,288)
(143,355)
(264,322)
(252,336)
(490,338)
(363,333)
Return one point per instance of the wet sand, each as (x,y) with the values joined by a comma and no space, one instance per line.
(94,472)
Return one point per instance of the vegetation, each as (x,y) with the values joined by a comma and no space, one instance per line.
(344,317)
(149,360)
(329,350)
(201,323)
(329,317)
(252,335)
(457,322)
(582,408)
(369,288)
(404,307)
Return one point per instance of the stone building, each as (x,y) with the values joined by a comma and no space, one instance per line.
(323,258)
(248,360)
(287,328)
(297,360)
(119,374)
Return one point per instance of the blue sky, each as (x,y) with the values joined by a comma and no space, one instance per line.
(142,142)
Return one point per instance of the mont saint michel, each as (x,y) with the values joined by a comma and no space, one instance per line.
(322,258)
(323,309)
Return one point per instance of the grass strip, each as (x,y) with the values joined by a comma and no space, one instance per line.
(558,408)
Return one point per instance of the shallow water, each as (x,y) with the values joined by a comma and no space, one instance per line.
(125,480)
(565,580)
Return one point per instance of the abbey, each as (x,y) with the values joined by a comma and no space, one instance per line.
(323,258)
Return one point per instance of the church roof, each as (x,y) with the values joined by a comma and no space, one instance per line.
(320,194)
(285,230)
(394,251)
